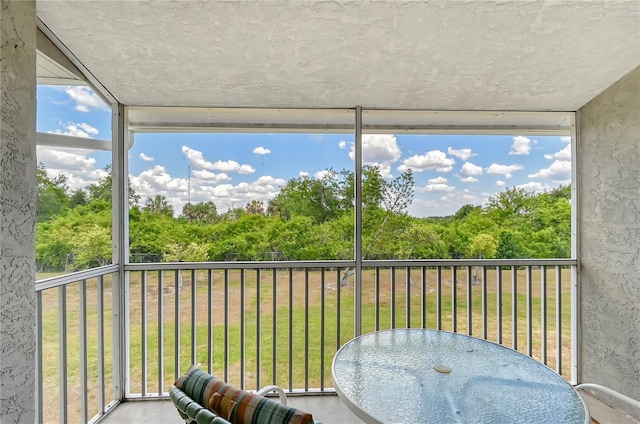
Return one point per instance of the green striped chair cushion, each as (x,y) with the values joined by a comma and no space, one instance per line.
(235,405)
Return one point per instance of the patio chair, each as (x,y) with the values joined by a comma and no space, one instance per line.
(610,392)
(203,399)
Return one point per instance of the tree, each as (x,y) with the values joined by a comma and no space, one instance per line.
(192,252)
(317,198)
(78,198)
(92,246)
(396,196)
(102,190)
(51,195)
(511,204)
(158,205)
(482,246)
(255,207)
(202,213)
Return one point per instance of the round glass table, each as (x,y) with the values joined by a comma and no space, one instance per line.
(419,376)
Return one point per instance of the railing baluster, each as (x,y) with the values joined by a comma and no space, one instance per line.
(543,310)
(529,312)
(177,286)
(143,331)
(408,296)
(258,329)
(558,320)
(194,324)
(243,326)
(454,299)
(226,324)
(100,305)
(290,329)
(160,332)
(514,307)
(274,300)
(322,324)
(423,297)
(469,302)
(210,321)
(306,329)
(82,315)
(393,297)
(62,355)
(338,291)
(499,303)
(377,294)
(485,310)
(439,297)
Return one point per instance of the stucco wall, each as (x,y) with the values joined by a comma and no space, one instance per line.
(17,211)
(609,176)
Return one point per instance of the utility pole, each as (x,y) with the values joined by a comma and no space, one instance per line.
(189,185)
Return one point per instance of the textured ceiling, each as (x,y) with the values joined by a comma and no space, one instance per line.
(439,55)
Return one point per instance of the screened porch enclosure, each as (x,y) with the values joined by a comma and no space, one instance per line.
(117,335)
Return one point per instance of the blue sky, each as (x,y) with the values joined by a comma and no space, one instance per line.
(232,169)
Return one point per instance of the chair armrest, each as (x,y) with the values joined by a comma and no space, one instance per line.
(619,396)
(268,389)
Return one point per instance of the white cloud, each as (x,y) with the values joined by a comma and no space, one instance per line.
(438,180)
(521,145)
(564,154)
(558,170)
(433,160)
(535,187)
(384,168)
(565,139)
(342,144)
(146,158)
(157,180)
(447,204)
(500,183)
(303,174)
(469,179)
(378,148)
(437,184)
(197,161)
(210,176)
(505,170)
(261,151)
(463,154)
(85,99)
(77,130)
(470,169)
(322,174)
(233,166)
(75,164)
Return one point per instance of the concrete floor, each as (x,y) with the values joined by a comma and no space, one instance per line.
(327,409)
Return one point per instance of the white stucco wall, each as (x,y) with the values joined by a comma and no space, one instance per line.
(17,211)
(609,176)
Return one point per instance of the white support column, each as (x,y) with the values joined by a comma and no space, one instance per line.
(120,236)
(17,211)
(357,277)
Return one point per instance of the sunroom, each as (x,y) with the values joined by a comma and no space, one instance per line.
(106,343)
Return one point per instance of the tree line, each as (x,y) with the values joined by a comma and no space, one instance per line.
(309,219)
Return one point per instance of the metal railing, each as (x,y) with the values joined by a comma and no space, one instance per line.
(77,346)
(259,323)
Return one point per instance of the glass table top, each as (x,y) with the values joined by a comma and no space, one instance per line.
(415,376)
